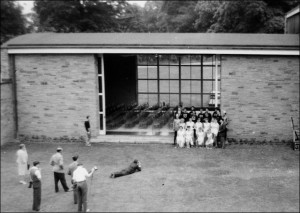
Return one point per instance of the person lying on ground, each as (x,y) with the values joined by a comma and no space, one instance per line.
(135,166)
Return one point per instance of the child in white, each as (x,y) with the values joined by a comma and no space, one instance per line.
(200,136)
(190,124)
(206,125)
(182,123)
(189,137)
(214,129)
(180,139)
(210,140)
(198,124)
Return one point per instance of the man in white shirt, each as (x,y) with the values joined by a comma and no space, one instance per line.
(79,177)
(35,175)
(57,162)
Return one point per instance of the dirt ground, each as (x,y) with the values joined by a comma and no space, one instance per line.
(238,178)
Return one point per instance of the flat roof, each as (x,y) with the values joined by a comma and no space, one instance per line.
(155,40)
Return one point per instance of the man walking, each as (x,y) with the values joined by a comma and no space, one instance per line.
(72,168)
(35,175)
(79,177)
(88,130)
(57,162)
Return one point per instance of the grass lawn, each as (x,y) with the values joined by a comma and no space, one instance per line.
(238,178)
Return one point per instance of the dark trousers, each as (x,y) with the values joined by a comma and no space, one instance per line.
(175,136)
(82,196)
(122,173)
(60,177)
(75,192)
(221,141)
(37,194)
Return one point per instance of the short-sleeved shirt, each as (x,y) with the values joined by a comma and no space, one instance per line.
(80,174)
(58,161)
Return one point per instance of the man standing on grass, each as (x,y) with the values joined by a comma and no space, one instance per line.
(35,175)
(79,177)
(88,130)
(72,168)
(57,163)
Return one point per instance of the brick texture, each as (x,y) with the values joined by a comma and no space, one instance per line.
(260,95)
(5,74)
(55,93)
(7,114)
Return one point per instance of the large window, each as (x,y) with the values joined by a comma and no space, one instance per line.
(172,79)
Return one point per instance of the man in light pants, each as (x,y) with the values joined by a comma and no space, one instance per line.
(79,177)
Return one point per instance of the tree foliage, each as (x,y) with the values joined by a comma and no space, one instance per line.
(12,20)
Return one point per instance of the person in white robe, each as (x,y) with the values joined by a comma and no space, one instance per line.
(22,161)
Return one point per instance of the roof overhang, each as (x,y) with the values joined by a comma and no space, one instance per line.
(152,51)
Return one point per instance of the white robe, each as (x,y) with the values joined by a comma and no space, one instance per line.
(200,137)
(189,137)
(209,139)
(214,128)
(180,139)
(22,159)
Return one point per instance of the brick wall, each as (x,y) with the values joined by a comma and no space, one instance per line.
(7,113)
(260,94)
(55,93)
(5,74)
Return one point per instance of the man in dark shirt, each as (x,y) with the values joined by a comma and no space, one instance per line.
(135,166)
(207,115)
(185,115)
(201,115)
(221,134)
(217,115)
(88,130)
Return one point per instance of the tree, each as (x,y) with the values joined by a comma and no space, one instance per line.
(12,20)
(77,15)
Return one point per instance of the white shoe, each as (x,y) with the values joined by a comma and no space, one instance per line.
(23,182)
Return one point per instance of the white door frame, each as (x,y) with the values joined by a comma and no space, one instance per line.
(102,95)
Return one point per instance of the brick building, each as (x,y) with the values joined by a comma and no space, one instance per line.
(51,81)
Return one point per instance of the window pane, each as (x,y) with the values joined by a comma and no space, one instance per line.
(185,72)
(207,86)
(185,86)
(142,59)
(207,72)
(186,100)
(208,59)
(174,72)
(174,86)
(142,99)
(164,86)
(153,99)
(100,84)
(206,99)
(152,60)
(99,66)
(196,71)
(165,98)
(142,72)
(101,121)
(196,86)
(214,72)
(174,100)
(152,85)
(164,72)
(164,59)
(196,60)
(185,60)
(142,86)
(152,72)
(100,103)
(196,100)
(174,60)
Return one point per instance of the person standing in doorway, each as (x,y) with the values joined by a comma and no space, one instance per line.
(22,161)
(57,163)
(87,126)
(35,175)
(72,168)
(79,177)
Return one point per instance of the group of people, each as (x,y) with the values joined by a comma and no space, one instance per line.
(76,170)
(203,129)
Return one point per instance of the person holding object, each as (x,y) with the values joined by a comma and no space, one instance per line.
(35,175)
(88,130)
(135,166)
(57,163)
(79,178)
(72,168)
(22,161)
